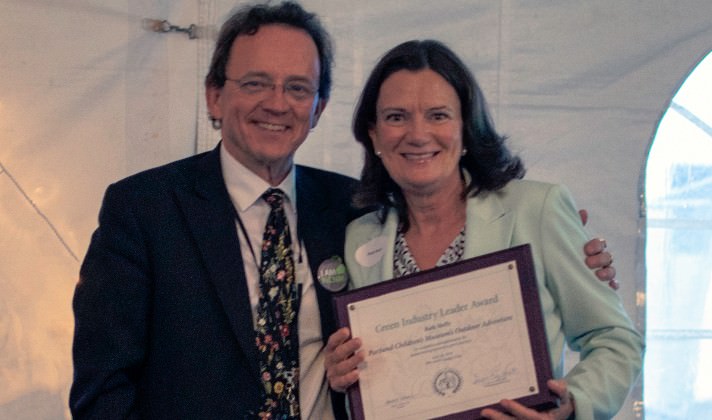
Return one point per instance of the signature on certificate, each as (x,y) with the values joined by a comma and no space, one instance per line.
(495,377)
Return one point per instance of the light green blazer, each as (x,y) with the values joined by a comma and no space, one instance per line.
(578,308)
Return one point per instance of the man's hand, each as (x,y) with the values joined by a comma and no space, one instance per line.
(598,259)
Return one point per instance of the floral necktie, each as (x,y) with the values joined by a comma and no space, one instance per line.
(277,338)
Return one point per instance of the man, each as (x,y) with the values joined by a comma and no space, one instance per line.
(169,290)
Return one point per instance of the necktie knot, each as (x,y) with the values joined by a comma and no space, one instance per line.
(274,197)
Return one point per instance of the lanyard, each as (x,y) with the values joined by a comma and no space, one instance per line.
(243,229)
(246,236)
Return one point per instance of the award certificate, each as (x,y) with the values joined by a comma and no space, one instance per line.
(448,342)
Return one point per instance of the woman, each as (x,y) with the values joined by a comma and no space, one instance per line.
(447,189)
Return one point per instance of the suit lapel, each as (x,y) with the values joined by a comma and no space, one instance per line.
(489,225)
(321,229)
(211,218)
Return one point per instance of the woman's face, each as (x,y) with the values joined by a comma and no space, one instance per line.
(418,131)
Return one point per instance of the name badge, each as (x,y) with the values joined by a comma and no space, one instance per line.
(370,253)
(332,274)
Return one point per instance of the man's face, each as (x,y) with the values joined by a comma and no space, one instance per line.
(270,101)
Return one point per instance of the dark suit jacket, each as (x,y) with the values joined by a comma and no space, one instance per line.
(163,325)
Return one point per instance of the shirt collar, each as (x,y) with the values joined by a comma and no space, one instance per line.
(245,187)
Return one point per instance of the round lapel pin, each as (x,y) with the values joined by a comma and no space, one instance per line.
(332,274)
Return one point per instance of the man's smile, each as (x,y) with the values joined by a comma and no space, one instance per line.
(271,126)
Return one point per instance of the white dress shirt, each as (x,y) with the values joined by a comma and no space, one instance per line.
(245,189)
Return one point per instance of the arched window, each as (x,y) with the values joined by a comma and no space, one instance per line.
(678,255)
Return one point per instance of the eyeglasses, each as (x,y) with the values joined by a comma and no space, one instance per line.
(298,90)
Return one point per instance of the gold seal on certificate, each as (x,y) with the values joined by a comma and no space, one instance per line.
(451,341)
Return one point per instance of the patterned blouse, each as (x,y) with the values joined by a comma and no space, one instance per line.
(404,263)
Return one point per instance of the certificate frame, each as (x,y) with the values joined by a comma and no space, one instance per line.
(518,260)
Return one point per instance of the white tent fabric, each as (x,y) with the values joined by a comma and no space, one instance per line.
(88,95)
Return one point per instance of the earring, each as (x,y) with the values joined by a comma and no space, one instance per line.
(378,153)
(464,152)
(216,123)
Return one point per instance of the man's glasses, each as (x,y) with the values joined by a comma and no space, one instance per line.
(297,90)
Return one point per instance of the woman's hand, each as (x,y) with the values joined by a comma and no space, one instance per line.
(341,359)
(517,411)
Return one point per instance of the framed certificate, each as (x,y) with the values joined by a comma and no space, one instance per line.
(451,341)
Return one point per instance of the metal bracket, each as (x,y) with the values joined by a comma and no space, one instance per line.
(163,26)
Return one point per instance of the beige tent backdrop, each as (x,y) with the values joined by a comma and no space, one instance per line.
(88,95)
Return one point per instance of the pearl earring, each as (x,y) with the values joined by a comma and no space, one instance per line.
(464,152)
